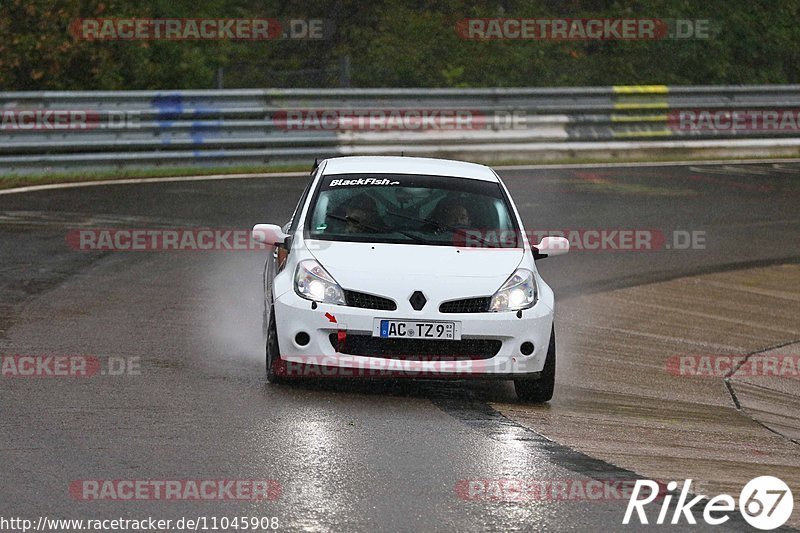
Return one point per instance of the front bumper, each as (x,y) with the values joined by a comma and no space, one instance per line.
(328,324)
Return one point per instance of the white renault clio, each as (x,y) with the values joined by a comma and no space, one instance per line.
(402,266)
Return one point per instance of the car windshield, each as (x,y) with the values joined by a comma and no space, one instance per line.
(409,209)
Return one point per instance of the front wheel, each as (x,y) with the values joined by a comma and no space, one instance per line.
(273,351)
(540,390)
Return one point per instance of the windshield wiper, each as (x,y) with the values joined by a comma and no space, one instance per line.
(357,222)
(439,226)
(376,229)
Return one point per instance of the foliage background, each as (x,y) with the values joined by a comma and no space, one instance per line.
(396,44)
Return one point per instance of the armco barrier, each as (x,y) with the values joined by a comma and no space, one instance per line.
(44,132)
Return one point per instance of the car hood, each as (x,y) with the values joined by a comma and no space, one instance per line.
(397,269)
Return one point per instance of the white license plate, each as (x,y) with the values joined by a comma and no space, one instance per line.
(416,329)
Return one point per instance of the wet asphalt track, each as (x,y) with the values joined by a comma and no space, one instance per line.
(356,457)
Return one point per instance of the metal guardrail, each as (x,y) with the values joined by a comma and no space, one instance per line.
(124,129)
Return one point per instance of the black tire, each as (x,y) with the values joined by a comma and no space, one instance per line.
(264,321)
(273,351)
(540,390)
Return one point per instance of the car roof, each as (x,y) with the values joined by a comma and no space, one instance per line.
(408,165)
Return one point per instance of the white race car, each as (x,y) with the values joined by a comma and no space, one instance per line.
(403,266)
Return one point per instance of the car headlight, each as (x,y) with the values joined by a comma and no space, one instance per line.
(518,292)
(313,282)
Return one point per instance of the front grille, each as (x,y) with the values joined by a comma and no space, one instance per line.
(469,305)
(465,349)
(368,301)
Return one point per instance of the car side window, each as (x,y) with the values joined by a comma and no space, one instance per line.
(295,220)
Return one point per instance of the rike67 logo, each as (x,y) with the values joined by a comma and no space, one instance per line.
(765,503)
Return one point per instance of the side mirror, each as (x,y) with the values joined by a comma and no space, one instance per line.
(551,246)
(271,234)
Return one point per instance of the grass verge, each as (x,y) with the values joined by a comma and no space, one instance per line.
(22,180)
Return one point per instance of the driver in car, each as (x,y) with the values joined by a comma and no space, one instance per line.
(452,214)
(362,215)
(456,215)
